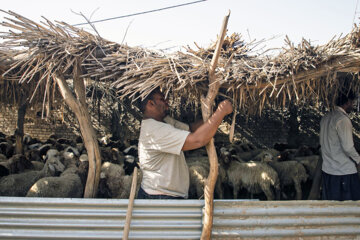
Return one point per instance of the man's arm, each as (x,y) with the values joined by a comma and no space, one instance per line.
(206,131)
(344,129)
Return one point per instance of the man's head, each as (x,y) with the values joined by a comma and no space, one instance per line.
(346,96)
(154,105)
(346,100)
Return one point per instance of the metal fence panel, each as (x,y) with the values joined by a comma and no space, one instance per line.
(58,218)
(287,219)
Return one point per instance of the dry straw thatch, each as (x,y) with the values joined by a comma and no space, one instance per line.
(302,74)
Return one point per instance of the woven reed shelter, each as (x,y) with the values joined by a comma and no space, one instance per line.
(302,73)
(51,55)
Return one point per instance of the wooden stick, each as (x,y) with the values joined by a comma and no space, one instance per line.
(232,128)
(206,108)
(315,187)
(130,205)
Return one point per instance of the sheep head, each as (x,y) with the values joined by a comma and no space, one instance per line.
(53,166)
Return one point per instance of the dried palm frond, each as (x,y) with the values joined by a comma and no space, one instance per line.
(303,74)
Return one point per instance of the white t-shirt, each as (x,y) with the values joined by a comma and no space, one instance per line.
(161,160)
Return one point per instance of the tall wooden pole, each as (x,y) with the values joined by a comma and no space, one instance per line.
(19,132)
(88,133)
(206,108)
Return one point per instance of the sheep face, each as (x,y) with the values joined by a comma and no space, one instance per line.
(268,157)
(51,153)
(225,156)
(54,166)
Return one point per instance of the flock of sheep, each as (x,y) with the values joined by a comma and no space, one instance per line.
(247,172)
(58,168)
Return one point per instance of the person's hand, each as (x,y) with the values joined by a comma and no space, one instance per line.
(225,107)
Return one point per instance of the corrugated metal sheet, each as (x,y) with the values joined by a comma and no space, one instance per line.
(286,219)
(55,218)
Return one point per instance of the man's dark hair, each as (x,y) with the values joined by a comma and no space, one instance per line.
(344,97)
(150,96)
(345,93)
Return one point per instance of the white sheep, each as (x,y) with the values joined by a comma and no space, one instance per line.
(19,184)
(67,185)
(309,163)
(266,155)
(291,173)
(255,177)
(118,183)
(199,168)
(51,153)
(198,175)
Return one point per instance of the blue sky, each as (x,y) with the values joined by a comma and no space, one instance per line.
(315,20)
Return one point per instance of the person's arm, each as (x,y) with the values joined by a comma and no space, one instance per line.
(206,131)
(344,129)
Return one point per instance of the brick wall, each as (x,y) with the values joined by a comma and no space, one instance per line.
(263,131)
(277,127)
(62,122)
(34,124)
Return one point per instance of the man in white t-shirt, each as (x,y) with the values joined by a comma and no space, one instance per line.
(162,142)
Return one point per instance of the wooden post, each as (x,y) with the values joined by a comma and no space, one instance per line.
(80,109)
(206,108)
(91,143)
(130,205)
(316,184)
(19,132)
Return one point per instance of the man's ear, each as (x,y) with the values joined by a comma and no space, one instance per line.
(150,103)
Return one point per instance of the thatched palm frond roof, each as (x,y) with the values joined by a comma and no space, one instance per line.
(6,58)
(302,73)
(10,90)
